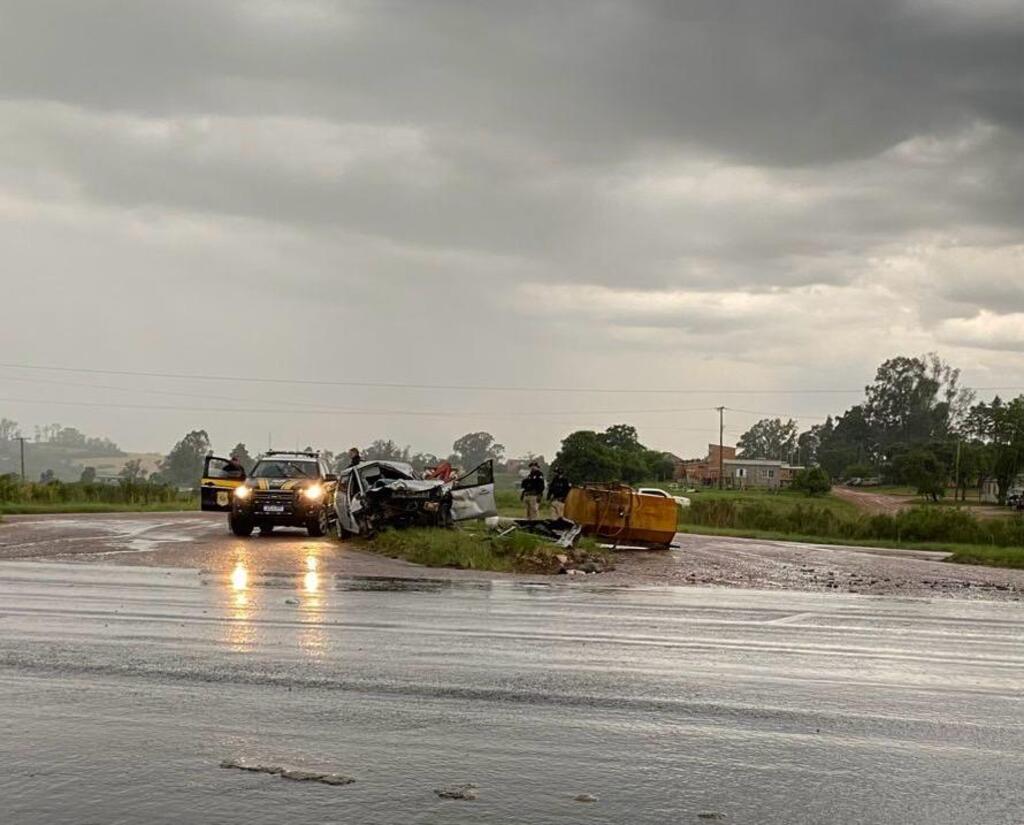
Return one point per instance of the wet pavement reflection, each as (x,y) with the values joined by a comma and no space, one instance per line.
(124,689)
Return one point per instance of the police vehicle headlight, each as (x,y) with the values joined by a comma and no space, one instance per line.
(243,492)
(314,492)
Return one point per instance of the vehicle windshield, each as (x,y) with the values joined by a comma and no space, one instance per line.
(285,469)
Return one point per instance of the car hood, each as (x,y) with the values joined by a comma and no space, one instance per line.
(281,483)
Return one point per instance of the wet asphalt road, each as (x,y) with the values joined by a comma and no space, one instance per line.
(202,541)
(124,687)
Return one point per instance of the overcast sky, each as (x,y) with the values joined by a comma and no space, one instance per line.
(762,195)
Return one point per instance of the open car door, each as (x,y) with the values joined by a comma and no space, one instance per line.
(348,502)
(218,484)
(473,494)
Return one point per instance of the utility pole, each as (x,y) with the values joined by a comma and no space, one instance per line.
(21,438)
(721,445)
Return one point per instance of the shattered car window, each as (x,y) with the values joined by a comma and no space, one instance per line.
(286,469)
(374,473)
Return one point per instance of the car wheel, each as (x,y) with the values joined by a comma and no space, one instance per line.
(240,525)
(319,525)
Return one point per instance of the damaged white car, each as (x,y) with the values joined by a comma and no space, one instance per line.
(378,494)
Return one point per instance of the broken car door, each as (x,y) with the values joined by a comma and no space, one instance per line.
(348,501)
(473,494)
(219,482)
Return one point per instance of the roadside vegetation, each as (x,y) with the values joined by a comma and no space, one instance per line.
(55,496)
(796,517)
(476,548)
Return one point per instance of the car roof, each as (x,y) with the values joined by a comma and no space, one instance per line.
(289,457)
(400,466)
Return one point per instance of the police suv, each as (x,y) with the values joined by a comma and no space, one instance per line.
(284,489)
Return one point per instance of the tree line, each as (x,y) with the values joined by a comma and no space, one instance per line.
(916,425)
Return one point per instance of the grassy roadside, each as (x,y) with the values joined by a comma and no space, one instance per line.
(41,508)
(477,549)
(827,520)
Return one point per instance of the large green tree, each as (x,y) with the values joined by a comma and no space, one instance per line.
(474,449)
(385,450)
(845,441)
(184,463)
(769,438)
(1000,426)
(924,470)
(914,400)
(242,454)
(585,456)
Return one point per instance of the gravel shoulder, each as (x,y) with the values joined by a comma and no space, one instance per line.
(201,541)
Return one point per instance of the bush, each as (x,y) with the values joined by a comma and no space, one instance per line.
(14,491)
(918,524)
(814,481)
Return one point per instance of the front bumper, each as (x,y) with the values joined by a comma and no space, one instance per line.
(279,507)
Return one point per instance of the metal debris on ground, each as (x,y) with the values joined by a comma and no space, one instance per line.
(561,532)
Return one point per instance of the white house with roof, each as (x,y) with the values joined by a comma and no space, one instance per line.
(742,473)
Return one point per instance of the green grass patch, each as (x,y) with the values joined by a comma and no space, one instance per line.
(990,556)
(778,518)
(778,500)
(33,508)
(479,549)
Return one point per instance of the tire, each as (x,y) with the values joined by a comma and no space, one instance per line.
(319,526)
(240,525)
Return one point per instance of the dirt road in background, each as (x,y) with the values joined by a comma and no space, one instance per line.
(202,542)
(874,502)
(870,502)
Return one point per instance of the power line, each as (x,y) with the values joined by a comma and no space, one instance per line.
(777,415)
(419,386)
(293,405)
(350,411)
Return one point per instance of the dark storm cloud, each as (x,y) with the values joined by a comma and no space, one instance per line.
(781,82)
(689,177)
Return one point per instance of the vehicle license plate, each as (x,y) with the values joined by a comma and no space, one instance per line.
(273,508)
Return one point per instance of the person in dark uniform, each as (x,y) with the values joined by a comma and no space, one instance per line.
(533,491)
(353,457)
(558,492)
(234,468)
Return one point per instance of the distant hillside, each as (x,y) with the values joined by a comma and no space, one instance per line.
(65,451)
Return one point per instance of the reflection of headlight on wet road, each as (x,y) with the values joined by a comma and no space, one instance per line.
(239,577)
(311,581)
(312,562)
(314,492)
(243,492)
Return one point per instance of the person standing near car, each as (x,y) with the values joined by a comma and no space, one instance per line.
(558,492)
(532,491)
(353,457)
(233,467)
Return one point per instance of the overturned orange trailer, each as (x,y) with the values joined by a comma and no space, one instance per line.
(618,514)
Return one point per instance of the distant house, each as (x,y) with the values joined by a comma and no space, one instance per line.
(744,473)
(703,472)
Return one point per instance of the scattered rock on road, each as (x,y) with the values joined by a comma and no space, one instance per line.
(710,815)
(295,775)
(585,797)
(467,791)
